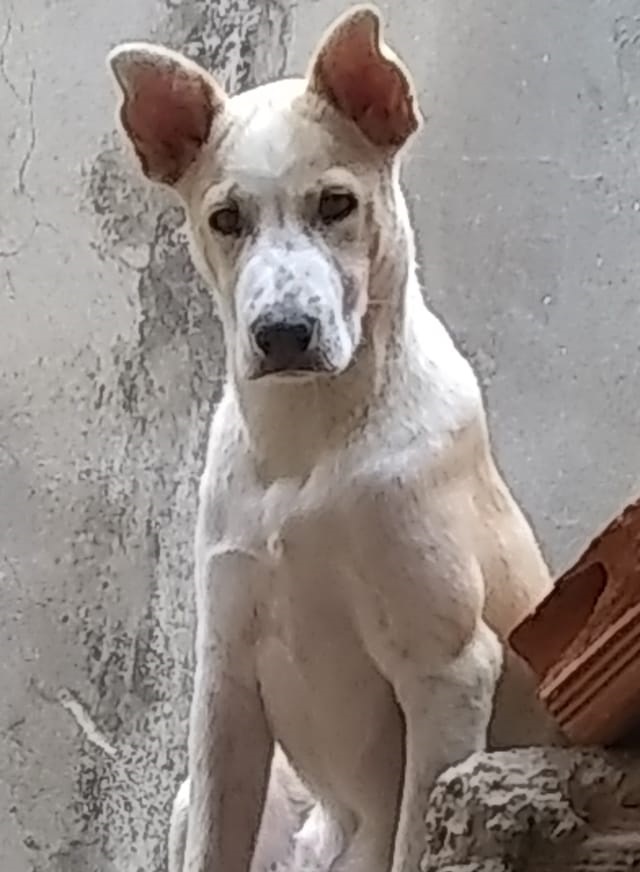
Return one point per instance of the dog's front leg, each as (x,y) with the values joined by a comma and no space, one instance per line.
(230,745)
(447,714)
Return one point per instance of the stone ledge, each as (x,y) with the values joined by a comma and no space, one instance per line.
(542,809)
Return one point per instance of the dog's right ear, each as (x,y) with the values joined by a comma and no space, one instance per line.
(167,109)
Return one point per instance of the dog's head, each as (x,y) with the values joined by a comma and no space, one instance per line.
(290,189)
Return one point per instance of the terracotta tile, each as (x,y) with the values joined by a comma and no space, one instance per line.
(583,641)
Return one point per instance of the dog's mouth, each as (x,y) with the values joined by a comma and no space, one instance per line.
(290,364)
(301,372)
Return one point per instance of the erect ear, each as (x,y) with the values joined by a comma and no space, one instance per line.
(362,78)
(168,106)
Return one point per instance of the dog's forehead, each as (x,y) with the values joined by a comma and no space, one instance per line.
(277,133)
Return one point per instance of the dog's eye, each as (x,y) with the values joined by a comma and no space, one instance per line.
(336,205)
(227,220)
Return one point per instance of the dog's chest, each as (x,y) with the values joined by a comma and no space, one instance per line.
(344,557)
(345,576)
(318,679)
(311,535)
(312,554)
(306,539)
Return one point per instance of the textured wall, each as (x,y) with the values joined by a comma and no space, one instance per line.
(525,192)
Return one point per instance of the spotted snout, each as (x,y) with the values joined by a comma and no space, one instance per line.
(291,311)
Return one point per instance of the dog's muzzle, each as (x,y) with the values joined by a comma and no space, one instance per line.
(287,345)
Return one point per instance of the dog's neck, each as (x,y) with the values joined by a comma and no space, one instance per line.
(290,425)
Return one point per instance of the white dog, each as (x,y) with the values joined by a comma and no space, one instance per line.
(358,555)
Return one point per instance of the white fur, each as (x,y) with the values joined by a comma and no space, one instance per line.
(358,556)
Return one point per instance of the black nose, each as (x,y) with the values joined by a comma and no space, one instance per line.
(283,342)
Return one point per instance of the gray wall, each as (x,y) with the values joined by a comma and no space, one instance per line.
(526,195)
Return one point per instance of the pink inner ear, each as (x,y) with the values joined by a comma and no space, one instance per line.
(168,116)
(367,87)
(371,90)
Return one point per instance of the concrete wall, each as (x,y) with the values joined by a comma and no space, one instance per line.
(526,195)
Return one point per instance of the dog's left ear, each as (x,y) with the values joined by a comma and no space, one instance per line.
(167,109)
(361,77)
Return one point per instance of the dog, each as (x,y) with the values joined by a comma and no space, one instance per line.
(359,558)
